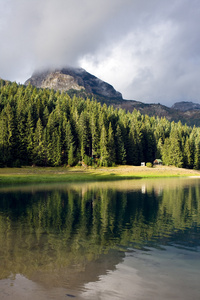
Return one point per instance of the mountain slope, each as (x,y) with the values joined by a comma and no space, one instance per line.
(191,117)
(186,106)
(73,78)
(80,82)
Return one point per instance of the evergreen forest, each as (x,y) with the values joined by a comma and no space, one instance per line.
(49,128)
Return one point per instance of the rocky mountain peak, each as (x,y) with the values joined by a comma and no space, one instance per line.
(73,78)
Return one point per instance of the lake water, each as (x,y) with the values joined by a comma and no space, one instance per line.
(136,239)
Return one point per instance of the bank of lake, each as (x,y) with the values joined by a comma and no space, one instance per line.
(79,174)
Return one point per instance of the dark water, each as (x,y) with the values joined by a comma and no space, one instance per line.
(120,240)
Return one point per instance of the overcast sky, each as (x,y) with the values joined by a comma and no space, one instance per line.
(149,50)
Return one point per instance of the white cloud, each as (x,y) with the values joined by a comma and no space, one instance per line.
(135,63)
(148,50)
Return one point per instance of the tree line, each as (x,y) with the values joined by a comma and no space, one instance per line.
(49,128)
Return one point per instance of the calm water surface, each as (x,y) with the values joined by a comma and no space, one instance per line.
(119,240)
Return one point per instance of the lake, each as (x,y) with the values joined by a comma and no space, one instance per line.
(134,239)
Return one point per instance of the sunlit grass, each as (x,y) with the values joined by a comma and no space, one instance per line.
(78,174)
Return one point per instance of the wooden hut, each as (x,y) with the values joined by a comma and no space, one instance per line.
(157,161)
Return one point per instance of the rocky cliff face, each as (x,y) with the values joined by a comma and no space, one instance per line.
(185,106)
(73,78)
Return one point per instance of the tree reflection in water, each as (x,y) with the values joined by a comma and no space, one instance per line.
(68,235)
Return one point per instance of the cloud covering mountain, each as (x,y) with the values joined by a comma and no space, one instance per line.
(148,50)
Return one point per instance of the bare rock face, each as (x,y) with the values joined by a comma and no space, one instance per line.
(73,78)
(186,106)
(58,81)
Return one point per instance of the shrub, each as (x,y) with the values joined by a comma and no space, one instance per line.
(88,160)
(149,165)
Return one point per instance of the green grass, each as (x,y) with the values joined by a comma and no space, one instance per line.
(80,174)
(44,178)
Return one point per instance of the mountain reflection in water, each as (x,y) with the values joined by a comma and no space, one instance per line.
(67,236)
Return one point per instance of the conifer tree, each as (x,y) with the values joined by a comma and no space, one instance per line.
(29,137)
(45,115)
(3,139)
(132,148)
(189,153)
(9,135)
(21,151)
(166,155)
(56,142)
(71,155)
(197,154)
(120,149)
(83,134)
(39,151)
(68,141)
(103,147)
(111,146)
(94,135)
(171,152)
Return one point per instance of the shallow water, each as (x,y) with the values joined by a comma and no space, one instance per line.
(120,240)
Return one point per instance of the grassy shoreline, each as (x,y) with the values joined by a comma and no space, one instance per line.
(80,174)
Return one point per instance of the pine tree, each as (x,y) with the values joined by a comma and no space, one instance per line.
(29,137)
(45,116)
(68,141)
(197,154)
(132,148)
(111,146)
(175,150)
(83,134)
(103,147)
(39,150)
(189,152)
(3,139)
(159,148)
(171,152)
(21,151)
(120,149)
(9,135)
(150,145)
(94,135)
(166,155)
(71,155)
(56,142)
